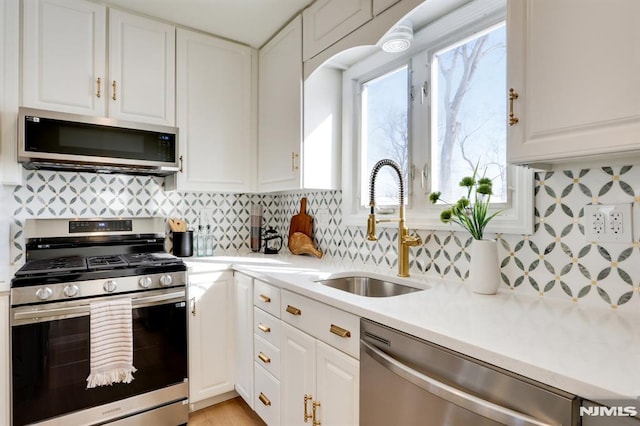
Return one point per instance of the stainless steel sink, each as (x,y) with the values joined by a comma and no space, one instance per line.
(367,286)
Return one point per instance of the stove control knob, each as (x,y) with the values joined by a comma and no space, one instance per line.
(166,280)
(109,286)
(71,290)
(145,282)
(44,293)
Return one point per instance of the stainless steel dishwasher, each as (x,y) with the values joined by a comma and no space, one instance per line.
(408,381)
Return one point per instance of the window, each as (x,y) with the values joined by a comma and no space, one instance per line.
(439,111)
(468,113)
(384,130)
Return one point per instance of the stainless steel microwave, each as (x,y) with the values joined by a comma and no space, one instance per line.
(61,141)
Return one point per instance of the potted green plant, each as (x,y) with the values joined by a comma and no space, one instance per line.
(472,213)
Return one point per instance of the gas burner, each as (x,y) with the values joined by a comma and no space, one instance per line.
(106,262)
(137,259)
(52,266)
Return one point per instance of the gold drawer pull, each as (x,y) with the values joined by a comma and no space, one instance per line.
(265,299)
(263,398)
(264,358)
(339,331)
(293,310)
(264,328)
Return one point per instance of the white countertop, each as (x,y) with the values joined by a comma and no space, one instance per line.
(585,350)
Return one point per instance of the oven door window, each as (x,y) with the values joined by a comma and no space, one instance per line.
(50,362)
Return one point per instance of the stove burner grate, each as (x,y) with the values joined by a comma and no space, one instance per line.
(106,262)
(55,265)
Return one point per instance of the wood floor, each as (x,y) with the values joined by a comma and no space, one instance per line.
(234,412)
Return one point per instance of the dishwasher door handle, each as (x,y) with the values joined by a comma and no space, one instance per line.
(455,396)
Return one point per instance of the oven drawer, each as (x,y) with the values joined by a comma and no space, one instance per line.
(333,326)
(266,297)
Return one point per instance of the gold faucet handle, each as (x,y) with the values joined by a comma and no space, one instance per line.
(371,228)
(412,240)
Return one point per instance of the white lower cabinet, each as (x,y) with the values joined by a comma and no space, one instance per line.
(267,390)
(5,418)
(303,357)
(266,352)
(211,335)
(243,323)
(320,383)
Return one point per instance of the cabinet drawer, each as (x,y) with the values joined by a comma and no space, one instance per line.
(266,297)
(266,355)
(266,326)
(333,326)
(267,396)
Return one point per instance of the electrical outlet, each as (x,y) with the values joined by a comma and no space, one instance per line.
(608,223)
(205,217)
(323,217)
(597,223)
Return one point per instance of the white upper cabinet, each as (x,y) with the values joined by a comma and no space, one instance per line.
(380,6)
(327,21)
(574,66)
(216,114)
(10,169)
(280,110)
(141,69)
(65,62)
(298,141)
(64,54)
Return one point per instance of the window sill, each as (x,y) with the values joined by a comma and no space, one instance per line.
(516,220)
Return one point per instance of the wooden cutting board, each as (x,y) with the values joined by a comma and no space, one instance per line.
(301,222)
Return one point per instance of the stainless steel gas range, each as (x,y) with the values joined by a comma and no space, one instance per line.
(70,264)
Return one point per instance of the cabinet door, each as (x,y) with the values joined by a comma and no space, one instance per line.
(4,361)
(337,386)
(298,375)
(574,65)
(243,292)
(211,341)
(380,6)
(327,21)
(280,110)
(64,50)
(215,113)
(141,69)
(10,169)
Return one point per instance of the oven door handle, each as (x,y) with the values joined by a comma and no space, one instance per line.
(84,309)
(455,396)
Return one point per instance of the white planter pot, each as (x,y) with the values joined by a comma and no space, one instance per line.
(484,273)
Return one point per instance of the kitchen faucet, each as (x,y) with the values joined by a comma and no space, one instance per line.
(404,239)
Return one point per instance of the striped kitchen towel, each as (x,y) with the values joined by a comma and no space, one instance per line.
(111,343)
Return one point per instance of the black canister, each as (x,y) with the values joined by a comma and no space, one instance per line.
(183,244)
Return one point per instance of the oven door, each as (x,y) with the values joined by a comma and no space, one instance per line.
(50,361)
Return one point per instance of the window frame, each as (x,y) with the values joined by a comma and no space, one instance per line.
(516,217)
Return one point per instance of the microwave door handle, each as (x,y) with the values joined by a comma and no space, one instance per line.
(76,311)
(455,396)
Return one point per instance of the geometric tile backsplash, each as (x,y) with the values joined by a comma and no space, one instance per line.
(554,262)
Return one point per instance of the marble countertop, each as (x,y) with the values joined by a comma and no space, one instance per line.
(589,351)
